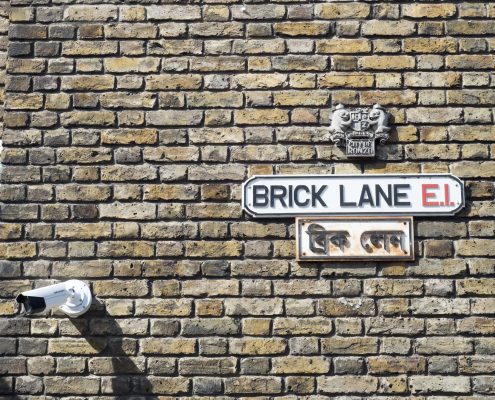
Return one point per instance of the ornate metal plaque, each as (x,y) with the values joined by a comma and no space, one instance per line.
(359,128)
(346,239)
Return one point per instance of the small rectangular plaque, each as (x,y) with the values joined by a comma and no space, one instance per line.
(360,147)
(346,239)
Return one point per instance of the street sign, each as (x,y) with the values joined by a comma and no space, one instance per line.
(351,238)
(309,195)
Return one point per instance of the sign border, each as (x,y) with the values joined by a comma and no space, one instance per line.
(353,176)
(410,257)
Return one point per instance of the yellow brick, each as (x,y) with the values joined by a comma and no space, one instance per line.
(344,79)
(17,250)
(342,10)
(388,97)
(257,346)
(126,64)
(77,346)
(261,117)
(301,98)
(470,61)
(10,231)
(387,62)
(129,136)
(211,249)
(301,28)
(430,45)
(259,81)
(388,28)
(215,99)
(256,326)
(343,46)
(173,81)
(170,192)
(432,10)
(300,365)
(168,346)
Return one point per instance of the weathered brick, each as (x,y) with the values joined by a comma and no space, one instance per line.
(128,64)
(396,365)
(130,31)
(213,287)
(207,366)
(91,13)
(257,306)
(77,48)
(444,345)
(83,231)
(87,118)
(221,63)
(253,385)
(173,12)
(475,61)
(72,385)
(261,117)
(434,384)
(316,28)
(121,288)
(122,173)
(388,28)
(394,326)
(121,365)
(210,326)
(168,346)
(476,364)
(174,117)
(17,250)
(300,364)
(430,45)
(300,63)
(257,346)
(342,10)
(347,384)
(213,249)
(387,62)
(216,135)
(77,346)
(434,115)
(343,46)
(127,210)
(429,10)
(349,345)
(129,136)
(346,307)
(302,326)
(432,79)
(259,81)
(264,268)
(262,11)
(127,100)
(477,28)
(164,307)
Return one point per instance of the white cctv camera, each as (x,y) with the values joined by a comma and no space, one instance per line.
(73,297)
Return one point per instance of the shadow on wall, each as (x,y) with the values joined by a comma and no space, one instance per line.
(122,371)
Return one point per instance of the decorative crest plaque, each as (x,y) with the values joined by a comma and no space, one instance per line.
(359,128)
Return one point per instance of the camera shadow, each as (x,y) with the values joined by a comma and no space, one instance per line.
(123,372)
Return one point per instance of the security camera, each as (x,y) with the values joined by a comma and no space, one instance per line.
(73,297)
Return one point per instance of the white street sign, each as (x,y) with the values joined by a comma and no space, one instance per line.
(307,195)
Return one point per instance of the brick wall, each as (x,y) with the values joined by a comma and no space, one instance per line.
(128,131)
